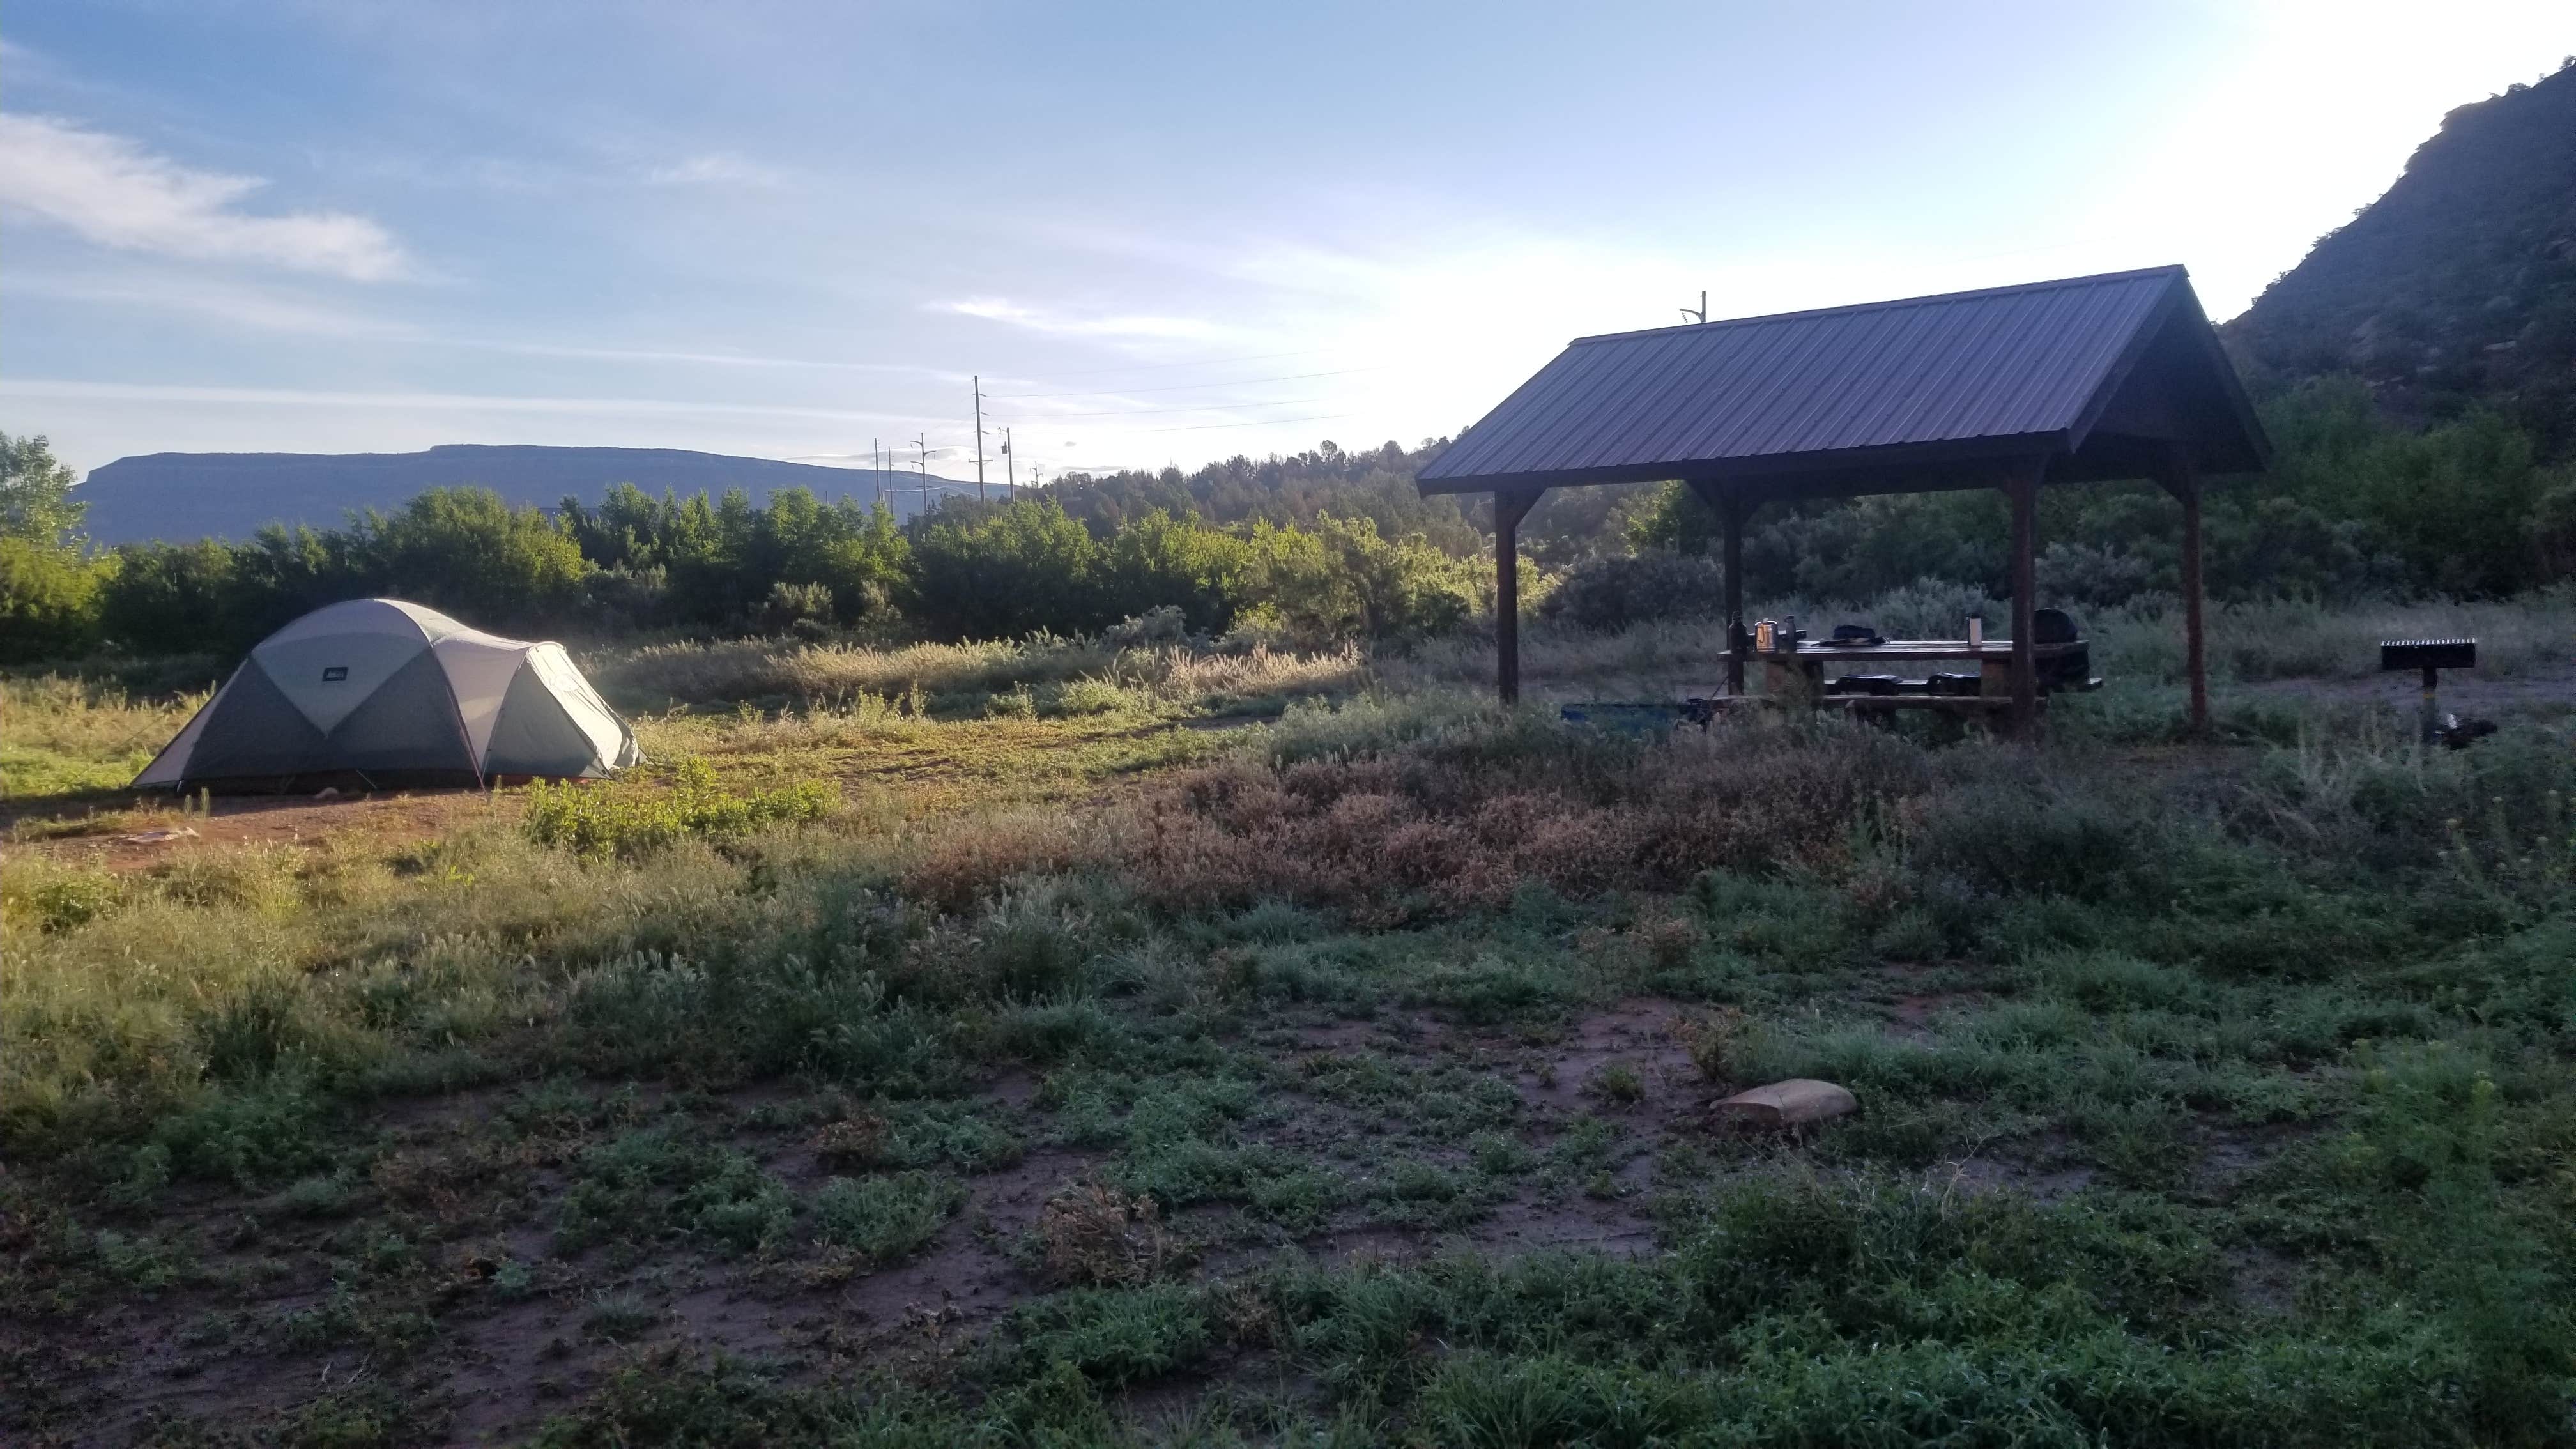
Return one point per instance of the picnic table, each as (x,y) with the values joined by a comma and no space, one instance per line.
(1788,672)
(1797,675)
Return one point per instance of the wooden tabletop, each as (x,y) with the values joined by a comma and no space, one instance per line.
(1908,649)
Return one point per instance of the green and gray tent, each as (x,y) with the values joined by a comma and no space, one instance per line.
(394,694)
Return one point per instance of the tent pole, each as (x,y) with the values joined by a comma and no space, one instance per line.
(2023,489)
(2182,479)
(1509,510)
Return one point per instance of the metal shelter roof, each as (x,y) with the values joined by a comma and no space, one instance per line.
(2107,375)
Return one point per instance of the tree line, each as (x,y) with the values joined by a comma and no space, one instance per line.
(634,561)
(1324,544)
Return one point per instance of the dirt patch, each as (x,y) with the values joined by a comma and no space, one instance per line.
(239,821)
(2041,1168)
(2229,1153)
(1579,1074)
(514,1365)
(2544,693)
(1616,1225)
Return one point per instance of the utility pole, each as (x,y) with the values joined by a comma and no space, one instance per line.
(979,438)
(922,441)
(1702,314)
(1010,468)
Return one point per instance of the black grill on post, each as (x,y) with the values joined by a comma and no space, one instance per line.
(2428,654)
(2431,656)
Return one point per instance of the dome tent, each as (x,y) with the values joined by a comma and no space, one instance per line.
(394,694)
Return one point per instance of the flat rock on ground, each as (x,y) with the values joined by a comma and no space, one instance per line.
(1787,1104)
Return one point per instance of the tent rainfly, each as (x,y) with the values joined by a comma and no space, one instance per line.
(394,694)
(2089,379)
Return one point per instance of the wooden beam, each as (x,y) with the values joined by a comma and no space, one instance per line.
(2182,479)
(2022,488)
(1509,509)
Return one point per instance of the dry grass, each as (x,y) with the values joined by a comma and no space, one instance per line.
(1393,810)
(1069,676)
(1094,1235)
(63,736)
(1714,1040)
(1467,817)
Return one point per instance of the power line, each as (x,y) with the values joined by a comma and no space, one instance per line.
(1187,386)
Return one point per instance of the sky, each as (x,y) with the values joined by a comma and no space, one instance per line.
(1159,234)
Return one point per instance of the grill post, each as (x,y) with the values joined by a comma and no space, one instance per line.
(2432,656)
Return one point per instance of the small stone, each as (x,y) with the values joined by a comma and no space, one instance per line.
(1792,1103)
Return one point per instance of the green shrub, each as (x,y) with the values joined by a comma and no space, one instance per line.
(1654,583)
(2007,842)
(59,898)
(630,820)
(48,599)
(886,1217)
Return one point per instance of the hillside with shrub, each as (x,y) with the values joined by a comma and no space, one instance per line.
(2456,290)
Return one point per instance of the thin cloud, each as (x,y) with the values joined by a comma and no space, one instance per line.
(718,168)
(46,388)
(117,194)
(275,312)
(1137,325)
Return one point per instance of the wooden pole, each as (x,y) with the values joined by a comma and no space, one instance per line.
(1509,510)
(1734,514)
(2182,477)
(2023,489)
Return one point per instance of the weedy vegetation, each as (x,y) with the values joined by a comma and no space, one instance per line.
(972,1046)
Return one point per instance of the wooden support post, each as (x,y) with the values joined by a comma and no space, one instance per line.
(1509,510)
(1734,514)
(2023,490)
(2182,478)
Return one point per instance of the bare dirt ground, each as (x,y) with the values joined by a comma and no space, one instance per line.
(128,833)
(2548,693)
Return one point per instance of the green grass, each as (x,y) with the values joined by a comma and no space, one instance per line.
(629,817)
(888,1217)
(1340,1080)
